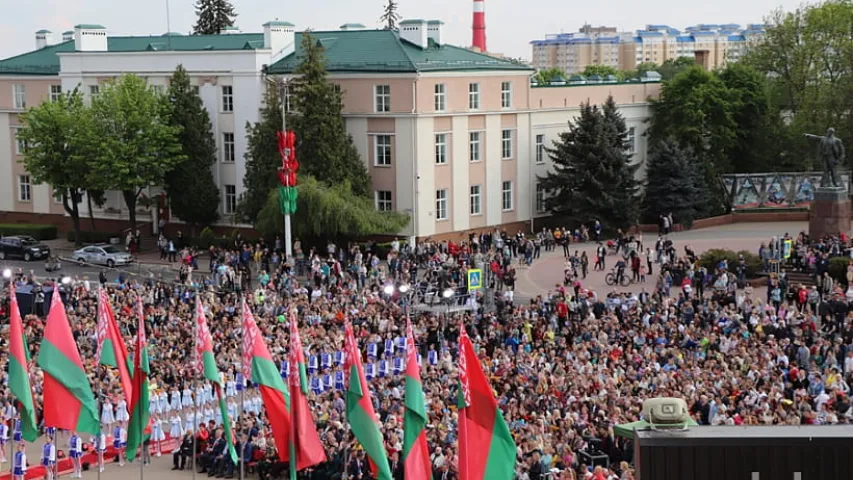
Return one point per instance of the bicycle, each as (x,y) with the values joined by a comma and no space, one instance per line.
(610,278)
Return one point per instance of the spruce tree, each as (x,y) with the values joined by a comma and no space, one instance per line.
(193,194)
(324,148)
(673,185)
(262,157)
(213,16)
(628,191)
(390,17)
(591,179)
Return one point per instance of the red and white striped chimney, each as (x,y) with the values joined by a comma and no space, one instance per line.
(479,39)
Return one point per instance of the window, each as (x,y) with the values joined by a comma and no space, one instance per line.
(57,196)
(474,195)
(474,146)
(25,188)
(94,90)
(227,98)
(19,97)
(230,199)
(228,147)
(632,140)
(195,89)
(540,148)
(506,94)
(159,89)
(441,149)
(506,144)
(540,198)
(506,196)
(382,150)
(441,204)
(382,98)
(288,99)
(473,96)
(20,144)
(55,92)
(440,97)
(383,201)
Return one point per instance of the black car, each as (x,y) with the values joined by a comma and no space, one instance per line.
(23,247)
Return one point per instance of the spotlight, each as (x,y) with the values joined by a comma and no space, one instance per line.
(389,289)
(7,273)
(66,280)
(404,288)
(448,293)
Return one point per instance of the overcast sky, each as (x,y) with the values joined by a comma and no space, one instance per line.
(511,24)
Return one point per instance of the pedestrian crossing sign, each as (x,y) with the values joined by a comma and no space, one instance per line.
(475,279)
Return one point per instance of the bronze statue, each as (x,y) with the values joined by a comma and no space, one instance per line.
(831,153)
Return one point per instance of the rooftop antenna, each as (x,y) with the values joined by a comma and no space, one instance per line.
(168,27)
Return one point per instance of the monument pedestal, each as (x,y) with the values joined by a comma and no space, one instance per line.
(829,212)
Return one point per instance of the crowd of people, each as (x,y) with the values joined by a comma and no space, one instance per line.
(567,366)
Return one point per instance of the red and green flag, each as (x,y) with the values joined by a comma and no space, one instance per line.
(360,413)
(210,372)
(112,351)
(305,444)
(19,378)
(259,366)
(69,402)
(139,414)
(416,460)
(486,448)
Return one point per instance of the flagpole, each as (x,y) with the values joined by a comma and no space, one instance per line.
(12,424)
(242,386)
(196,428)
(100,387)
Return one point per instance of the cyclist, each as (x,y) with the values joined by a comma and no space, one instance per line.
(620,270)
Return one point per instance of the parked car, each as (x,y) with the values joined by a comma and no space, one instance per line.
(108,255)
(24,247)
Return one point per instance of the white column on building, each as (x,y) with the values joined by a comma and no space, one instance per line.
(460,168)
(425,174)
(404,163)
(493,170)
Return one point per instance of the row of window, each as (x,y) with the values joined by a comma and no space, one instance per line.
(384,202)
(19,95)
(382,97)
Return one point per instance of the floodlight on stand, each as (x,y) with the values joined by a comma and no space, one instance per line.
(66,280)
(448,293)
(404,288)
(389,289)
(7,273)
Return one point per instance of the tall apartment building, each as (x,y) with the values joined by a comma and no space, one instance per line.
(656,43)
(454,138)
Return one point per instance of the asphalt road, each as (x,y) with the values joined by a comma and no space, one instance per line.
(71,269)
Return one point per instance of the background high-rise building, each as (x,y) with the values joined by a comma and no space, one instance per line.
(573,52)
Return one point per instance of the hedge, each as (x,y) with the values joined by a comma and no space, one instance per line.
(712,258)
(39,232)
(92,237)
(838,269)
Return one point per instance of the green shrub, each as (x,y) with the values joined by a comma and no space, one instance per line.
(838,269)
(39,232)
(92,237)
(206,238)
(713,257)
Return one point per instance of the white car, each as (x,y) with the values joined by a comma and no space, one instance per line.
(108,255)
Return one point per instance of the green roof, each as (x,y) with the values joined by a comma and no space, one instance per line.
(277,23)
(46,62)
(435,22)
(173,34)
(412,21)
(44,31)
(352,25)
(90,26)
(363,51)
(231,28)
(67,32)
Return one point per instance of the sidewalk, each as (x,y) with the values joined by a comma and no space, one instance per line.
(65,249)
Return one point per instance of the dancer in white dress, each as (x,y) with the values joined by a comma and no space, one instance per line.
(157,434)
(121,411)
(107,414)
(176,429)
(163,403)
(231,388)
(198,394)
(187,398)
(191,424)
(99,442)
(153,406)
(176,400)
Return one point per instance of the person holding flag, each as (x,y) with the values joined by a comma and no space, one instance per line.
(416,460)
(139,404)
(75,451)
(99,443)
(48,458)
(120,442)
(18,375)
(359,410)
(4,438)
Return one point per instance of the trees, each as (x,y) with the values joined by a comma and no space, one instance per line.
(592,179)
(600,70)
(674,184)
(627,190)
(213,16)
(324,148)
(329,212)
(390,17)
(193,195)
(136,145)
(544,77)
(58,136)
(262,157)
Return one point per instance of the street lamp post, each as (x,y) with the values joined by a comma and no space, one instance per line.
(288,240)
